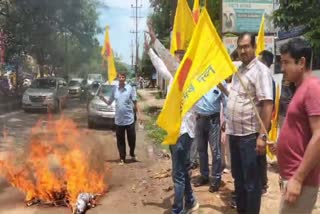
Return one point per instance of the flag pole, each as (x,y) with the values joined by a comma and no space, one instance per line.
(254,106)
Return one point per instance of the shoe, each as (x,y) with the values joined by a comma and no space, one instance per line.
(134,158)
(233,202)
(201,181)
(121,163)
(226,171)
(214,188)
(190,209)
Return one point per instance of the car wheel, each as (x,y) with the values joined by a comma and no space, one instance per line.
(91,124)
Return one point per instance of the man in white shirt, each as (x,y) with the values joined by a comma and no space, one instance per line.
(184,199)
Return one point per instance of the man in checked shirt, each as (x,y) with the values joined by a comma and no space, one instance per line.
(247,138)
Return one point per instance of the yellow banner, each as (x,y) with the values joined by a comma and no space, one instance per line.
(107,55)
(204,66)
(273,134)
(260,39)
(182,28)
(196,11)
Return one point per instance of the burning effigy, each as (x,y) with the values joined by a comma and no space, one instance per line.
(60,166)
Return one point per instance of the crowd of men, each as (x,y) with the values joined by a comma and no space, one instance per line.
(238,112)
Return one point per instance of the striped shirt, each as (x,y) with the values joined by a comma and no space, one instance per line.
(241,119)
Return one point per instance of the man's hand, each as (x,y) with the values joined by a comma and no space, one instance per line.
(146,45)
(261,146)
(292,190)
(104,100)
(223,89)
(223,126)
(272,147)
(151,33)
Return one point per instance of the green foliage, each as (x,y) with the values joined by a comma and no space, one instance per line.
(120,66)
(154,131)
(58,33)
(163,18)
(297,13)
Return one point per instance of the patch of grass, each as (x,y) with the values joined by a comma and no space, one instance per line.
(152,110)
(154,131)
(139,97)
(159,95)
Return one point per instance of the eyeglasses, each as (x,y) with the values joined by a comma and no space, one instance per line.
(245,47)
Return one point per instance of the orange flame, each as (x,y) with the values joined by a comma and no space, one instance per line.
(58,162)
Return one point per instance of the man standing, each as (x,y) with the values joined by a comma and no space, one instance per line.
(208,130)
(126,105)
(184,199)
(246,135)
(266,57)
(299,141)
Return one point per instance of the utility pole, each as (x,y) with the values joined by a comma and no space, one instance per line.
(136,32)
(132,55)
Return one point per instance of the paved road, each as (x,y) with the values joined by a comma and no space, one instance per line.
(129,185)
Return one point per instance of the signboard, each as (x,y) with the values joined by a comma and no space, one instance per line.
(293,32)
(231,43)
(245,15)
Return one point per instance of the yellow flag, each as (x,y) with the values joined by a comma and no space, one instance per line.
(204,66)
(196,11)
(107,55)
(182,28)
(273,134)
(260,39)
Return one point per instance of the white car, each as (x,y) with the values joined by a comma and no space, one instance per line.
(49,93)
(99,113)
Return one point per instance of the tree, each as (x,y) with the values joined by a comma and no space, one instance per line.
(120,66)
(51,30)
(162,19)
(298,12)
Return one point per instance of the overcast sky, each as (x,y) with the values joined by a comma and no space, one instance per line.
(118,17)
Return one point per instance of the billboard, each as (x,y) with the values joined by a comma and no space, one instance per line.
(231,43)
(245,15)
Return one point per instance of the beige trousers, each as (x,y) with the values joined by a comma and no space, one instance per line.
(305,203)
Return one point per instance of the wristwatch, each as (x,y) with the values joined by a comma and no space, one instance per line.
(263,137)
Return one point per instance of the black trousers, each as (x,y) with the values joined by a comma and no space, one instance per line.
(121,140)
(264,169)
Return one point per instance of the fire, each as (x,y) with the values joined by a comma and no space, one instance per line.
(59,163)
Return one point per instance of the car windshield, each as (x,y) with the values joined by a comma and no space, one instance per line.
(44,83)
(74,83)
(97,77)
(106,90)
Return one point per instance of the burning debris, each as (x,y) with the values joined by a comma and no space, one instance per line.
(85,201)
(61,167)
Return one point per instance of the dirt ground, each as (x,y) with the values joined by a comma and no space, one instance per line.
(138,187)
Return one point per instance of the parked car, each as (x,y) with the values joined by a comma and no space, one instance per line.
(76,88)
(94,77)
(48,93)
(99,113)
